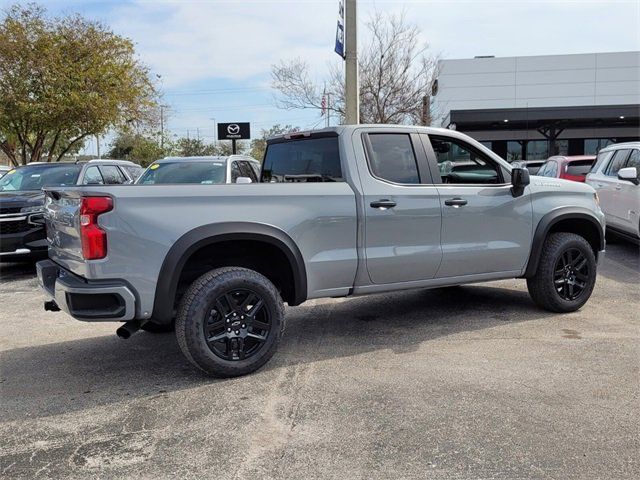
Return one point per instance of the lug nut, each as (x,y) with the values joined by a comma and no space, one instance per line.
(228,329)
(237,332)
(244,326)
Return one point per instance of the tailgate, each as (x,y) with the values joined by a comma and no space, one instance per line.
(62,216)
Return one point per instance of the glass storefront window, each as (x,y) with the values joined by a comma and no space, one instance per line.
(562,147)
(514,151)
(537,150)
(593,145)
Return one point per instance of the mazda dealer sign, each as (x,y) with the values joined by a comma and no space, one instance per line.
(234,131)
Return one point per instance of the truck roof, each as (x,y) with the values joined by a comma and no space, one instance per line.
(345,129)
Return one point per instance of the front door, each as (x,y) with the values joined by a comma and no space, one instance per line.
(401,207)
(485,229)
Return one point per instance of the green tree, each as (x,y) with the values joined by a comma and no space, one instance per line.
(192,147)
(259,145)
(138,148)
(63,79)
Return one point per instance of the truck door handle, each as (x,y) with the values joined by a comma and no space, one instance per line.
(455,202)
(383,204)
(618,187)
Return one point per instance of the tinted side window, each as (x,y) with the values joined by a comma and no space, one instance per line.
(303,160)
(112,175)
(634,159)
(235,172)
(92,177)
(256,169)
(392,158)
(616,162)
(247,171)
(600,159)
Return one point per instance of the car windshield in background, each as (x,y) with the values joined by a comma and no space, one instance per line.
(206,173)
(304,160)
(37,177)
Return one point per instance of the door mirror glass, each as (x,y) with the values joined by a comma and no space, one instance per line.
(243,180)
(519,180)
(629,173)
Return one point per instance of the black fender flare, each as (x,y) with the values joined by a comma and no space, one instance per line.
(545,225)
(205,235)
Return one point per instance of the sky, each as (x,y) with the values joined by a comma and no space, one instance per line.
(212,58)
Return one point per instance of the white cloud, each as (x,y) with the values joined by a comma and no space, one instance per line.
(191,41)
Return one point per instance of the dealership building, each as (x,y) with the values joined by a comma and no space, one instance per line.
(527,108)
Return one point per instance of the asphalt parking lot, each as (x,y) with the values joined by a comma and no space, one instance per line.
(469,382)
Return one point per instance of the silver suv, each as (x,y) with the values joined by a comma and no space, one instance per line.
(615,176)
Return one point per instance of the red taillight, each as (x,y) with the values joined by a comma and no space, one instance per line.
(94,239)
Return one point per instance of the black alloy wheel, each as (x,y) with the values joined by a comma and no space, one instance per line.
(571,274)
(566,273)
(230,321)
(238,324)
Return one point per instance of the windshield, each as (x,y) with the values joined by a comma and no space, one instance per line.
(205,173)
(36,177)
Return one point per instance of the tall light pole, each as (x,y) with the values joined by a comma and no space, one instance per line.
(352,89)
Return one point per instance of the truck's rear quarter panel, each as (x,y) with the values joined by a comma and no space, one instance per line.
(147,220)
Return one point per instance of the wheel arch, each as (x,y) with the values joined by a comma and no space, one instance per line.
(208,235)
(569,220)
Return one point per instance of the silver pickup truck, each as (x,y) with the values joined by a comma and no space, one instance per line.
(349,210)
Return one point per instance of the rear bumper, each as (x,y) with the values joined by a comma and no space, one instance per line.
(89,302)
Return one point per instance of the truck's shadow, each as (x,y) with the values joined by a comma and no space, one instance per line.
(58,378)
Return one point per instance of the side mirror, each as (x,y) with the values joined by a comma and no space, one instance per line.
(630,174)
(519,179)
(243,180)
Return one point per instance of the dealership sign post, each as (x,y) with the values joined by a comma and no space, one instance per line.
(233,132)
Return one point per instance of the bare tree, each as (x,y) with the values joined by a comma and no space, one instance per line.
(396,72)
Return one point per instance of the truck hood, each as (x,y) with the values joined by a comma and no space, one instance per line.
(12,200)
(540,184)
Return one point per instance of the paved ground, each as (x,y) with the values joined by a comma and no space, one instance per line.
(473,382)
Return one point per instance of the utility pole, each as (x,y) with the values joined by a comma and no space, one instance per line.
(98,144)
(352,89)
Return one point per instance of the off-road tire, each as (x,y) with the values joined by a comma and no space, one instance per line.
(153,327)
(193,312)
(541,286)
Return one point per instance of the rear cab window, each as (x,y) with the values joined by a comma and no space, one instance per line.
(315,158)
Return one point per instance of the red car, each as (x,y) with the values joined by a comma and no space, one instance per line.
(570,168)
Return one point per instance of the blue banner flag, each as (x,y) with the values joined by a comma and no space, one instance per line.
(339,49)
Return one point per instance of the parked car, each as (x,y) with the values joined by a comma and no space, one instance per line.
(22,234)
(615,178)
(202,170)
(3,170)
(573,168)
(347,210)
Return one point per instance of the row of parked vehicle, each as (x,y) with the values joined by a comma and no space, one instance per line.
(613,173)
(22,233)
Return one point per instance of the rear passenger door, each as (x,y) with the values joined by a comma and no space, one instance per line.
(401,206)
(609,192)
(485,229)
